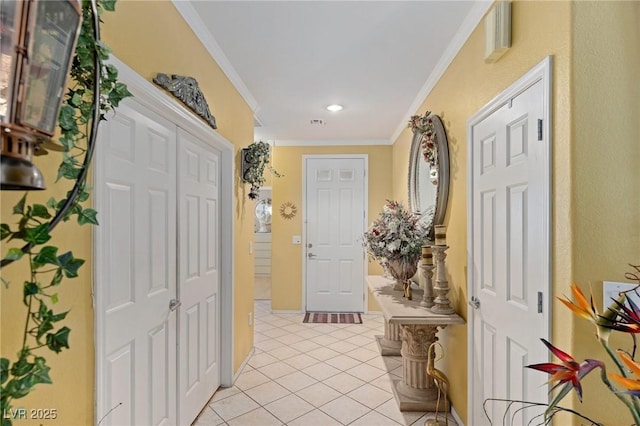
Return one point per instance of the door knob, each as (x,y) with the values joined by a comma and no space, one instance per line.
(174,304)
(311,255)
(474,302)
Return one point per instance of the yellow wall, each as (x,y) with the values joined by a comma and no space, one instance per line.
(539,29)
(605,153)
(150,37)
(286,262)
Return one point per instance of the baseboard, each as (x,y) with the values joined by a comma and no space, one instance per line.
(244,364)
(286,312)
(455,415)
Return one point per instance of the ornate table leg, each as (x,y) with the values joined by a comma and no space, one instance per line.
(391,343)
(416,391)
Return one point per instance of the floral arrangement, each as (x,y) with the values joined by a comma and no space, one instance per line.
(424,124)
(395,234)
(254,159)
(622,315)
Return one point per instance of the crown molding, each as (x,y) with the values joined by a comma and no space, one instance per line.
(192,18)
(328,142)
(469,24)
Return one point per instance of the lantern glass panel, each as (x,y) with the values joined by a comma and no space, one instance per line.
(8,22)
(52,41)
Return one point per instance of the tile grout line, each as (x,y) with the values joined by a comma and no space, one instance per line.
(333,337)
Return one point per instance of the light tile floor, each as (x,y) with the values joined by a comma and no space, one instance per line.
(312,375)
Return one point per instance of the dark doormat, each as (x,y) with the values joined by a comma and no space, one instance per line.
(332,318)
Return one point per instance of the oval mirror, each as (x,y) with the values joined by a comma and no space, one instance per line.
(429,170)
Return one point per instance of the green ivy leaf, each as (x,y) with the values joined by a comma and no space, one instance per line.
(118,93)
(68,170)
(54,296)
(18,388)
(83,195)
(70,264)
(14,254)
(42,310)
(67,118)
(37,235)
(76,208)
(40,210)
(87,216)
(76,99)
(52,203)
(5,231)
(30,289)
(22,367)
(67,142)
(4,370)
(103,49)
(109,5)
(111,72)
(57,317)
(47,255)
(19,208)
(56,342)
(41,371)
(56,280)
(43,328)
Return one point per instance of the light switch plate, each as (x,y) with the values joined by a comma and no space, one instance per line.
(296,239)
(611,290)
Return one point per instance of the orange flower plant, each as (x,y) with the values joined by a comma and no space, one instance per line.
(622,315)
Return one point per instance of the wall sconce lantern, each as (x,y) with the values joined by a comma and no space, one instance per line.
(37,42)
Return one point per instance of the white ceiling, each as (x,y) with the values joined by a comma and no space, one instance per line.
(290,59)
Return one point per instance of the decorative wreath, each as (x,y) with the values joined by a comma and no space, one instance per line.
(428,141)
(288,210)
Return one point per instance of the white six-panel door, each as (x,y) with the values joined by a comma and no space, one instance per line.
(335,223)
(509,255)
(158,299)
(136,248)
(199,274)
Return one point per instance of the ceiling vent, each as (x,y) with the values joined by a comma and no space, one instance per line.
(317,121)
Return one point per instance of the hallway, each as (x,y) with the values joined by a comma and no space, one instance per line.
(312,374)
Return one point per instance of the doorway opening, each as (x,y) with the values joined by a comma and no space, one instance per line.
(262,244)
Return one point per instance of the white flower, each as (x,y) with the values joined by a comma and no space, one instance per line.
(395,234)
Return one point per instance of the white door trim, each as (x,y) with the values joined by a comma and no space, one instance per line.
(365,158)
(156,100)
(541,72)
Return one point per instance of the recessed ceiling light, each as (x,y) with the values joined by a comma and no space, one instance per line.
(334,108)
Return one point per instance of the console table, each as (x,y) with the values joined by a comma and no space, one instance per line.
(418,328)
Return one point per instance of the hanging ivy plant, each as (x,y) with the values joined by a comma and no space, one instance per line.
(255,158)
(43,327)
